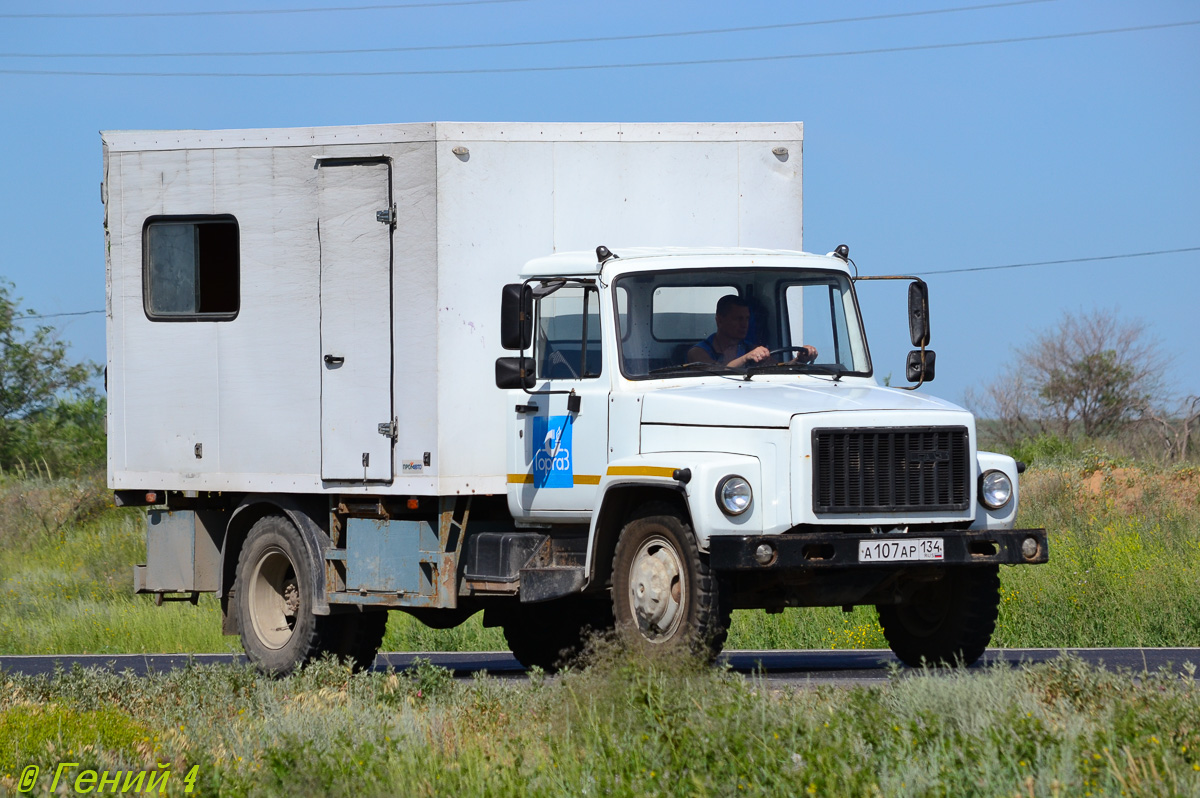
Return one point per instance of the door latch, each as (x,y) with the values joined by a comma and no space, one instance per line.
(334,360)
(387,217)
(389,429)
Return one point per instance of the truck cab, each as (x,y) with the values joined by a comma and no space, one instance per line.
(712,418)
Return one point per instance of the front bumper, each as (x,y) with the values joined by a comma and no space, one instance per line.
(832,550)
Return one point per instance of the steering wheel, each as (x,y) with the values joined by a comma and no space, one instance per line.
(783,349)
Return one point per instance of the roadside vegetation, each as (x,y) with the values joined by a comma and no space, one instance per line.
(66,577)
(615,728)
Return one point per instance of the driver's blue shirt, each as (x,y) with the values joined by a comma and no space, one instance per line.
(711,351)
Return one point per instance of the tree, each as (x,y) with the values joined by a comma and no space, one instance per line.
(1092,374)
(35,375)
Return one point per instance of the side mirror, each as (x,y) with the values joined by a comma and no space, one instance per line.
(516,317)
(514,372)
(918,313)
(919,367)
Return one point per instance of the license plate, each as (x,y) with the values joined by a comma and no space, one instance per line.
(905,550)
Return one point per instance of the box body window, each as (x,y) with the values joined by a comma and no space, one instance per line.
(191,268)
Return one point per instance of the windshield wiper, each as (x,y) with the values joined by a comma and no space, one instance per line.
(813,368)
(695,365)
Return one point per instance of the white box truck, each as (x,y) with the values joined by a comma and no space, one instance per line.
(570,375)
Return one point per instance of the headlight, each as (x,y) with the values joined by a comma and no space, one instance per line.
(734,495)
(995,489)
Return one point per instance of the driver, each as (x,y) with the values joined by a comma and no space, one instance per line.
(727,346)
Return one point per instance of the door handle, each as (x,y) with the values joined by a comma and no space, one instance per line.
(334,360)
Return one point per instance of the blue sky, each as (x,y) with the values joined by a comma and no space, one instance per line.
(920,160)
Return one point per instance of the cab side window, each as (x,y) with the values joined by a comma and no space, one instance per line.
(567,345)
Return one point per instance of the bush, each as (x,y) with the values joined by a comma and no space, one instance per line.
(65,439)
(34,733)
(1044,449)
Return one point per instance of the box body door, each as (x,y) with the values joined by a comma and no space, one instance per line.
(355,220)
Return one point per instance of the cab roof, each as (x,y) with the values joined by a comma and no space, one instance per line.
(585,263)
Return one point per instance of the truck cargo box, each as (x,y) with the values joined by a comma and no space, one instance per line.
(315,310)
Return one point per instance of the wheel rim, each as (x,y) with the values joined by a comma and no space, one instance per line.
(274,599)
(657,589)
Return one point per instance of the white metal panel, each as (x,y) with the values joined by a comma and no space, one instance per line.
(356,320)
(142,140)
(770,195)
(169,376)
(619,131)
(269,355)
(768,447)
(772,400)
(1006,516)
(114,379)
(645,193)
(414,322)
(495,211)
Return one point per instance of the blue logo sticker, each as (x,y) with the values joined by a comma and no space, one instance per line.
(552,466)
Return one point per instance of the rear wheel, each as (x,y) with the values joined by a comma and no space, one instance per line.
(272,598)
(354,637)
(665,598)
(948,622)
(552,634)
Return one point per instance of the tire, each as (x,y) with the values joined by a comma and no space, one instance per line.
(665,598)
(553,634)
(272,598)
(353,637)
(947,623)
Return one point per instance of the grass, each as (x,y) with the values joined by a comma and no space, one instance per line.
(66,578)
(1125,561)
(1124,571)
(616,728)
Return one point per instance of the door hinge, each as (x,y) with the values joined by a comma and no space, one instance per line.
(387,217)
(389,429)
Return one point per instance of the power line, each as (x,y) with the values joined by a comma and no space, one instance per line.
(532,43)
(255,12)
(56,315)
(940,271)
(1057,262)
(583,67)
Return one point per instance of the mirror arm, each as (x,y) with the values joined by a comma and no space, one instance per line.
(909,277)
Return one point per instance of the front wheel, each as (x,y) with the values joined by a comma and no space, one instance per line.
(948,622)
(665,598)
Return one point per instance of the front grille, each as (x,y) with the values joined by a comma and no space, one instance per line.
(891,469)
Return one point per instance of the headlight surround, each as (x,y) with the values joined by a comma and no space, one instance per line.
(995,489)
(734,495)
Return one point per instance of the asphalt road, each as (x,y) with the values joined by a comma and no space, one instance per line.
(779,668)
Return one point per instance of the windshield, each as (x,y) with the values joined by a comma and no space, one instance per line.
(676,323)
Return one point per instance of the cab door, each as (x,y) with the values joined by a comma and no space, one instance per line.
(558,446)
